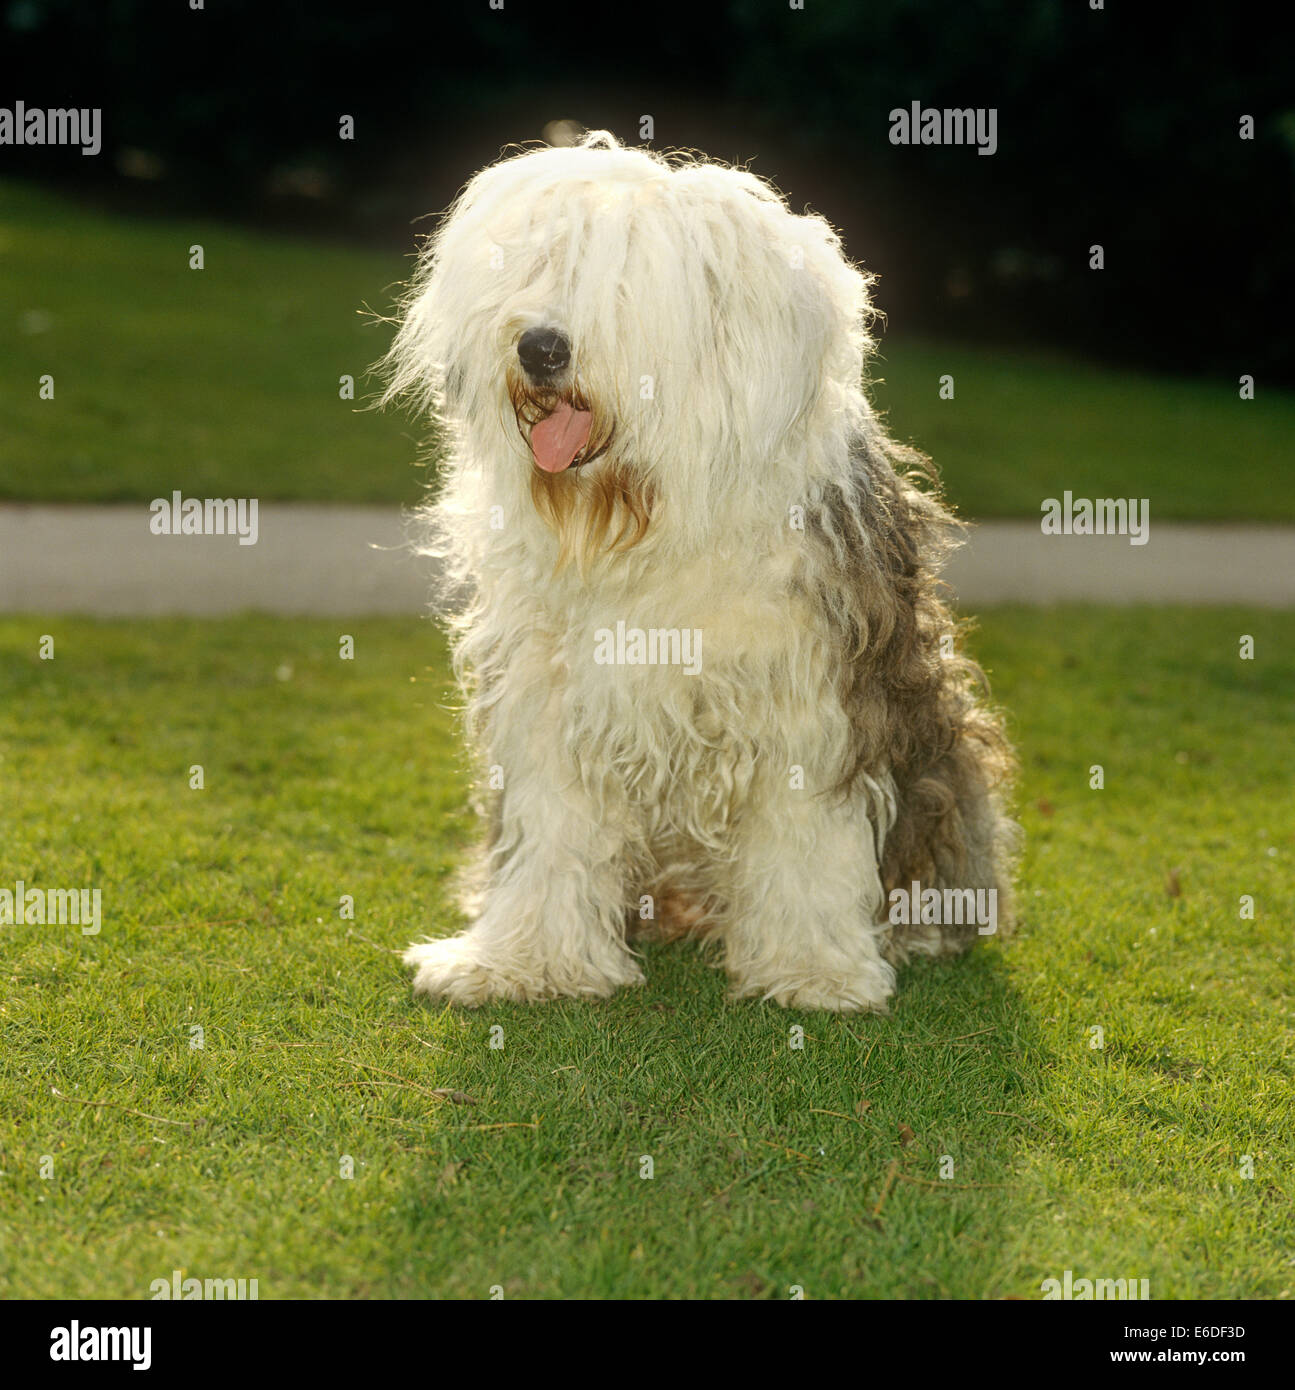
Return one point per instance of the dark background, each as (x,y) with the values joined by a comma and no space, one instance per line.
(1114,127)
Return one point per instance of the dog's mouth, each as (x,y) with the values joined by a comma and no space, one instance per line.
(561,439)
(593,509)
(562,429)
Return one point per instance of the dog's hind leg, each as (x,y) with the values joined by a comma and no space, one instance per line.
(953,834)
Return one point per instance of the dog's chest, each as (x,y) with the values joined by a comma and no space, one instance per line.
(685,696)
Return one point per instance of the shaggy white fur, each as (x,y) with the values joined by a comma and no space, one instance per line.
(700,360)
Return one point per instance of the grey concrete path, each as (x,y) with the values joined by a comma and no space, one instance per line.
(326,560)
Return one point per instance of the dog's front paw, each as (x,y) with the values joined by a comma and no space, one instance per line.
(459,970)
(863,992)
(450,969)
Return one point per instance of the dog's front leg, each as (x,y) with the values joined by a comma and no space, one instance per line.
(805,898)
(552,921)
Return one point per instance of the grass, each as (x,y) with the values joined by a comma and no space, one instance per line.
(773,1166)
(224,382)
(1024,428)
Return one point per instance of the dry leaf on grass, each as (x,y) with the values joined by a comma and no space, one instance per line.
(454,1097)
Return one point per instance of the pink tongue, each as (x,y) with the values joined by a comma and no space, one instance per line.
(559,437)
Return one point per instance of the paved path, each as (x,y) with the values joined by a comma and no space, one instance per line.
(331,560)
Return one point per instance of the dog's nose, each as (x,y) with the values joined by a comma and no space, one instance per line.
(543,351)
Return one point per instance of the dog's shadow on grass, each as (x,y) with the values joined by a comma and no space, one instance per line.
(872,1151)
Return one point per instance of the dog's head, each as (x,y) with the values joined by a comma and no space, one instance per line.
(640,342)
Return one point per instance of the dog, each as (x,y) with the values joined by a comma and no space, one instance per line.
(711,684)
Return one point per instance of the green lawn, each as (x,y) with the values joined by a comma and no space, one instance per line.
(1022,428)
(225,382)
(222,382)
(773,1167)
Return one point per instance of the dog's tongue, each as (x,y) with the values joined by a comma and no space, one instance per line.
(559,437)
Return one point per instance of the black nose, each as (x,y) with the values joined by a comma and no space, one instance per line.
(543,351)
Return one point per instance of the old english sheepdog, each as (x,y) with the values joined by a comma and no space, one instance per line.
(711,683)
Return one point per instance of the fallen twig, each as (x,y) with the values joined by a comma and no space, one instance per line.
(377,946)
(437,1093)
(785,1149)
(116,1105)
(891,1174)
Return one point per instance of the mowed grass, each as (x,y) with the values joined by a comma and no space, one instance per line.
(1026,426)
(128,1152)
(225,382)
